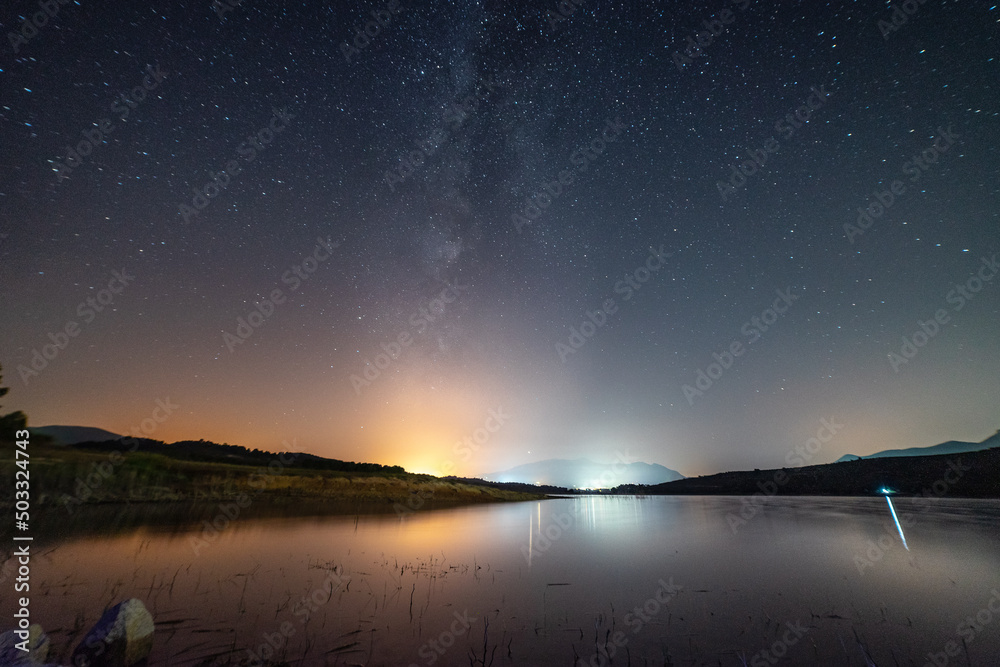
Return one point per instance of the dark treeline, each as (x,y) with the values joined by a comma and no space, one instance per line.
(211,452)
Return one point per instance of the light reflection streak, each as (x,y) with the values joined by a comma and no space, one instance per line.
(896,519)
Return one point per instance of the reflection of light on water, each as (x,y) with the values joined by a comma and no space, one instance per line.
(894,517)
(584,517)
(531,533)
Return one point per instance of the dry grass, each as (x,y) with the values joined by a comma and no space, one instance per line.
(58,473)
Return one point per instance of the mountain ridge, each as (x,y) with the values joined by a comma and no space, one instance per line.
(585,473)
(949,447)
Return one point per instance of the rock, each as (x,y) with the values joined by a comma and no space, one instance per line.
(37,643)
(123,637)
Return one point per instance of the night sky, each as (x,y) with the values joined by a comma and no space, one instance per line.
(538,220)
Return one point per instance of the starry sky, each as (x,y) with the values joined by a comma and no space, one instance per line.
(482,234)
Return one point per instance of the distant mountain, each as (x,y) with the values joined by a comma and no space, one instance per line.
(586,474)
(70,435)
(950,447)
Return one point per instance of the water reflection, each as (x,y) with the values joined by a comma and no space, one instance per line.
(896,519)
(585,578)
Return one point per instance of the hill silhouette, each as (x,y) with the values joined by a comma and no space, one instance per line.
(950,447)
(70,435)
(211,452)
(967,475)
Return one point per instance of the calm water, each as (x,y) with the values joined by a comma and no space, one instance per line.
(651,580)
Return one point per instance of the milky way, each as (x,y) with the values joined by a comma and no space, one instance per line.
(363,227)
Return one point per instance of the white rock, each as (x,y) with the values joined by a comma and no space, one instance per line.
(123,637)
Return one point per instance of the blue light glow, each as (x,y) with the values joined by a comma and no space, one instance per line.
(895,518)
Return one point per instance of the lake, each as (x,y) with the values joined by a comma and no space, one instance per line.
(566,581)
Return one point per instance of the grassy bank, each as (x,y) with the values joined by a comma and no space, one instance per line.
(73,477)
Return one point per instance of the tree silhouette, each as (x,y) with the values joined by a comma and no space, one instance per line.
(12,422)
